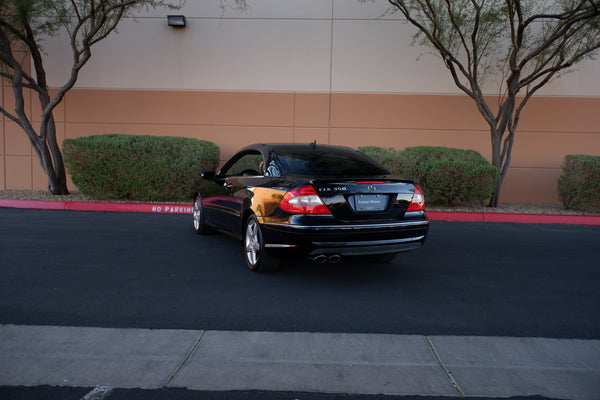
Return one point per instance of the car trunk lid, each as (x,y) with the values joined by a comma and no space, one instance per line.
(366,199)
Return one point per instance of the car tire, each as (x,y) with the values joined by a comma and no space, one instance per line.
(198,215)
(257,257)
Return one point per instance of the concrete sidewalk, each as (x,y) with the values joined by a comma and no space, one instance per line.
(310,362)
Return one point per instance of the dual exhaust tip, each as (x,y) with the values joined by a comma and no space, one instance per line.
(332,258)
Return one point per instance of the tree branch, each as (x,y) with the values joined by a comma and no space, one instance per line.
(9,59)
(458,30)
(566,21)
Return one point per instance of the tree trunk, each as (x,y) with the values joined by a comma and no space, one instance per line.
(51,159)
(496,162)
(57,176)
(53,168)
(496,196)
(502,144)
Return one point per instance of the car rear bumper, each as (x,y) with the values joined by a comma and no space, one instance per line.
(346,240)
(367,247)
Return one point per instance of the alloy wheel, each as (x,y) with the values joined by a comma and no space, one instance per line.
(197,213)
(252,242)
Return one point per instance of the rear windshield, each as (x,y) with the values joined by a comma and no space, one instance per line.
(325,162)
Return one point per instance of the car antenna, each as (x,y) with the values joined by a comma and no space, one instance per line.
(313,145)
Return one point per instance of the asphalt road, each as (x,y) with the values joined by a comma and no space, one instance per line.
(99,269)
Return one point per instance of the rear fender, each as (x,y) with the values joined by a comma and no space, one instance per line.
(265,201)
(247,214)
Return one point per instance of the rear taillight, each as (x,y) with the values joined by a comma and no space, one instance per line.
(303,200)
(418,200)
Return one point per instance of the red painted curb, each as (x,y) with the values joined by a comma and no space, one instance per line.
(93,206)
(131,207)
(543,219)
(36,204)
(187,209)
(516,218)
(455,216)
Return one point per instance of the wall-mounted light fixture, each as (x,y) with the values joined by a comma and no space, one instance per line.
(177,21)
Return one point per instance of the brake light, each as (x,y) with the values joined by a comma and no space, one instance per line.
(418,200)
(303,200)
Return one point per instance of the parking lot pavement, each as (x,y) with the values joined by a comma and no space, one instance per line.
(299,362)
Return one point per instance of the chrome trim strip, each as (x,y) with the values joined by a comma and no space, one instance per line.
(280,246)
(369,242)
(347,227)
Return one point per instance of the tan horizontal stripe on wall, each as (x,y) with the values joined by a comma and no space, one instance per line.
(551,127)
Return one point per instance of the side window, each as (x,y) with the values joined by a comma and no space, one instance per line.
(248,164)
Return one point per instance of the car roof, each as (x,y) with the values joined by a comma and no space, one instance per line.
(296,146)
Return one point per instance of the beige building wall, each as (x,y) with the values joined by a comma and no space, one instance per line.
(335,71)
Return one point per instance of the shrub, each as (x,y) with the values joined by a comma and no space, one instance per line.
(389,157)
(579,185)
(143,168)
(450,176)
(446,175)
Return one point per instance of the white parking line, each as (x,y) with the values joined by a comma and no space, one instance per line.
(99,393)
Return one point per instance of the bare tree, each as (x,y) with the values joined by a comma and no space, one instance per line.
(23,25)
(526,43)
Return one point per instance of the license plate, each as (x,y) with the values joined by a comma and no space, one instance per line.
(370,202)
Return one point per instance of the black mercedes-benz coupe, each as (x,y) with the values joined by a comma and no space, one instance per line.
(320,201)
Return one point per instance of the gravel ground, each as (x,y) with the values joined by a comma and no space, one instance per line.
(524,208)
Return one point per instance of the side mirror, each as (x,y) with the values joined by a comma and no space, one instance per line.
(208,175)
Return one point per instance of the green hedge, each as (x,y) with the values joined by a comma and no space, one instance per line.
(142,168)
(579,185)
(387,156)
(446,175)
